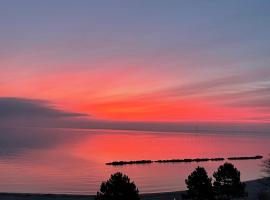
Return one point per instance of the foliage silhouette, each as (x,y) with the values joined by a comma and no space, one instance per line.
(118,187)
(264,195)
(227,184)
(199,185)
(266,167)
(266,180)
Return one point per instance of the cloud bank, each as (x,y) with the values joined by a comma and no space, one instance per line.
(28,108)
(34,124)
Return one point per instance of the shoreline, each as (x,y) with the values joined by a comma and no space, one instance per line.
(252,187)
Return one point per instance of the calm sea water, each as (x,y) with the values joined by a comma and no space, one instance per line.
(73,161)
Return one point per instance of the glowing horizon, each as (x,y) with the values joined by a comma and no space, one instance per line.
(164,65)
(88,82)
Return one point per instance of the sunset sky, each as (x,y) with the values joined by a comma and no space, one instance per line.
(136,61)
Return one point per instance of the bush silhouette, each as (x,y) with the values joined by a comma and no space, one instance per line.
(199,185)
(266,170)
(264,195)
(266,167)
(118,187)
(227,184)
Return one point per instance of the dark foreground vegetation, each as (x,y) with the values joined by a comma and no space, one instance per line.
(265,194)
(252,187)
(187,160)
(225,186)
(118,187)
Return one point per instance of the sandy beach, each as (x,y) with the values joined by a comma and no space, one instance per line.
(252,187)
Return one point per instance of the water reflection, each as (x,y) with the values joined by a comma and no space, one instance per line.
(74,163)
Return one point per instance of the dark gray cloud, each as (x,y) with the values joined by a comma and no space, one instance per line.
(15,112)
(31,124)
(27,124)
(28,108)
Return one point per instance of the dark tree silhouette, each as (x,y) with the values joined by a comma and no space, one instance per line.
(266,167)
(227,184)
(264,195)
(118,187)
(266,180)
(199,185)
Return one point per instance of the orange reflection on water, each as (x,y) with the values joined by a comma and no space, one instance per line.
(78,165)
(128,145)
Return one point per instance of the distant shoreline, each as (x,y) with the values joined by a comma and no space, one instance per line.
(252,187)
(186,160)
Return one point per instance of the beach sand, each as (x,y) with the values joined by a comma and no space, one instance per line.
(252,187)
